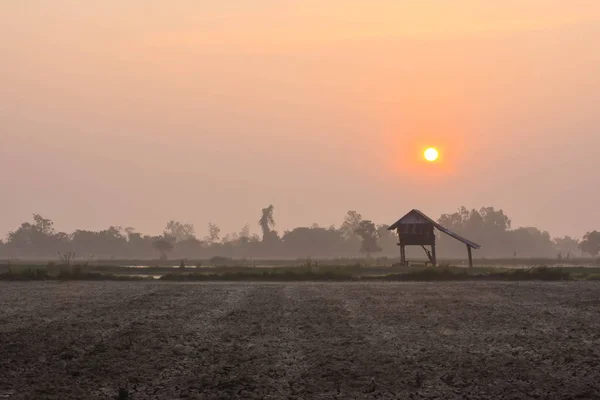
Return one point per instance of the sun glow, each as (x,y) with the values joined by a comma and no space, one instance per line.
(431,154)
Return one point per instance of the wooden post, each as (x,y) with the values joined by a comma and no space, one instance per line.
(402,254)
(433,257)
(470,256)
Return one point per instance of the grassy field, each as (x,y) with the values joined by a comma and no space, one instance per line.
(296,273)
(452,340)
(345,262)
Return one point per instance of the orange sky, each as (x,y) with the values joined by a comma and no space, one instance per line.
(136,112)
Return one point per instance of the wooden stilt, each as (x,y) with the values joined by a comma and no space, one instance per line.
(470,257)
(433,257)
(402,254)
(400,247)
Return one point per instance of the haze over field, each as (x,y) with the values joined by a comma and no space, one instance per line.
(136,112)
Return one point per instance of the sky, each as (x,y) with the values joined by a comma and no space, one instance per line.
(136,112)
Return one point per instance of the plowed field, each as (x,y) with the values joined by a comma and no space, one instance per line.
(81,340)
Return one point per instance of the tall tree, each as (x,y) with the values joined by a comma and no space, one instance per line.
(214,233)
(37,239)
(369,235)
(566,246)
(351,224)
(530,241)
(267,221)
(313,242)
(43,225)
(591,243)
(486,226)
(387,240)
(180,231)
(245,232)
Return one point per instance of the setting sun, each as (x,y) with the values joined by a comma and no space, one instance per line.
(431,154)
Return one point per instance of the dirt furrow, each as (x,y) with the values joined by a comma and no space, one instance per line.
(243,344)
(325,351)
(36,304)
(99,349)
(450,342)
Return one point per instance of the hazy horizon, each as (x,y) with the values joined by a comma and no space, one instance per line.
(134,113)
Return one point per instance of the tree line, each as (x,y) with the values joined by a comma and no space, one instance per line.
(354,237)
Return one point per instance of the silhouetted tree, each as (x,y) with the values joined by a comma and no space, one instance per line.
(566,246)
(43,225)
(267,221)
(214,233)
(270,241)
(37,239)
(163,247)
(530,241)
(388,241)
(487,226)
(245,232)
(190,248)
(591,243)
(139,245)
(368,233)
(350,225)
(231,238)
(111,242)
(180,231)
(313,242)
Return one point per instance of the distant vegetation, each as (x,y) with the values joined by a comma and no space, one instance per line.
(38,240)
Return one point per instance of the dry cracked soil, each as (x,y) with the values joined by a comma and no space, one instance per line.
(146,340)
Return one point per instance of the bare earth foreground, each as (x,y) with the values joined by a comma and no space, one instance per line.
(299,340)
